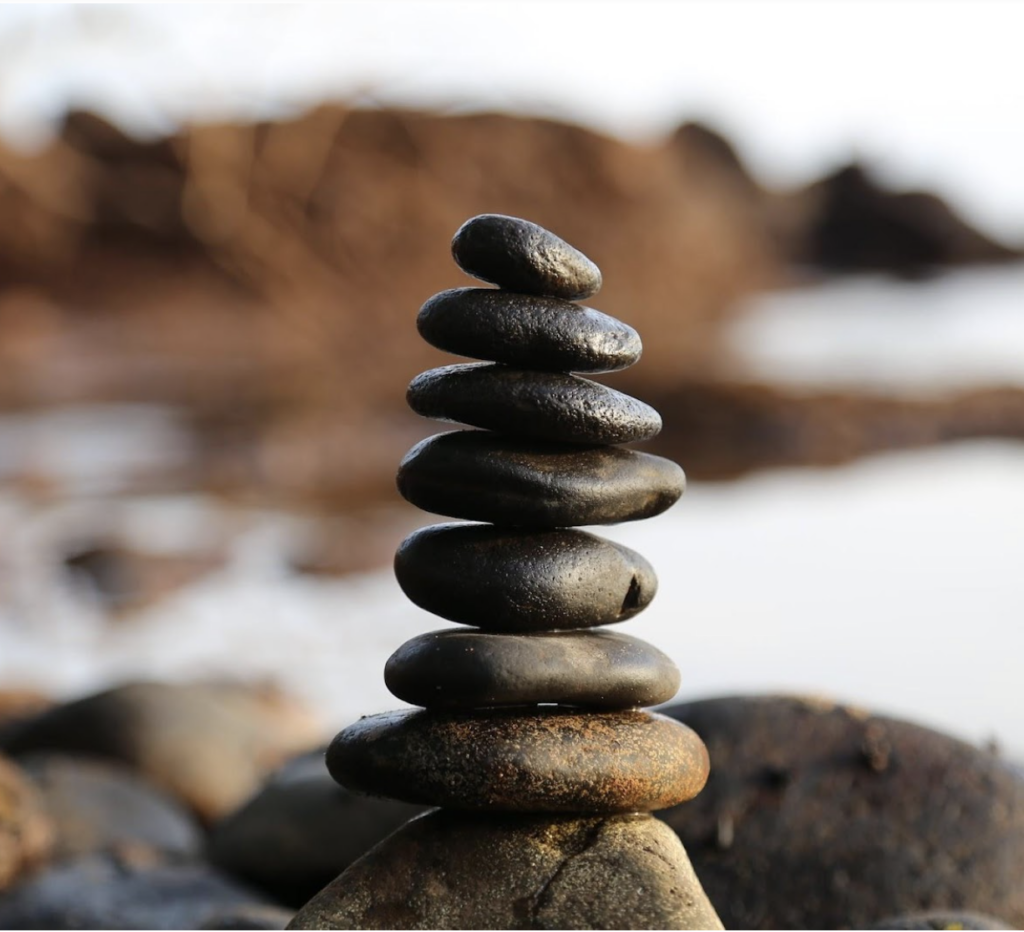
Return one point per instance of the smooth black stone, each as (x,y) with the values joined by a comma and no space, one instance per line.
(458,669)
(526,403)
(527,331)
(483,476)
(522,256)
(515,580)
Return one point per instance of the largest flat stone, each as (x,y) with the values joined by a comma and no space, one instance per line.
(523,579)
(448,870)
(551,761)
(483,476)
(527,331)
(523,256)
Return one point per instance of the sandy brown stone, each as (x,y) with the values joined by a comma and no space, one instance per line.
(26,831)
(524,403)
(517,579)
(459,669)
(483,476)
(522,256)
(554,760)
(822,816)
(449,870)
(209,744)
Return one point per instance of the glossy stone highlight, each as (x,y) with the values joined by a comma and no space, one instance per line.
(458,669)
(540,405)
(482,476)
(527,331)
(550,761)
(520,256)
(516,580)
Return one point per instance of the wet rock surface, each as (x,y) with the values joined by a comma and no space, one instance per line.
(550,760)
(447,870)
(515,579)
(105,892)
(543,405)
(301,830)
(26,830)
(97,806)
(471,670)
(527,331)
(482,476)
(522,256)
(210,745)
(820,815)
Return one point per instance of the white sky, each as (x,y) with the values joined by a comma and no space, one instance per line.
(930,92)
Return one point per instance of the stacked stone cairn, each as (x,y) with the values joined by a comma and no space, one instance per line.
(531,738)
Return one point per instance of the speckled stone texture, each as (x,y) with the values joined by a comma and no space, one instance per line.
(470,670)
(514,579)
(528,331)
(482,476)
(541,405)
(522,256)
(554,760)
(447,870)
(823,816)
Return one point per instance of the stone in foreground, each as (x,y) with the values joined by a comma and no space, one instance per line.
(522,256)
(482,476)
(554,760)
(455,669)
(527,331)
(449,870)
(514,579)
(542,405)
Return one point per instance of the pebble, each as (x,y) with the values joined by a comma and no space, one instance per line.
(822,816)
(522,256)
(516,580)
(541,405)
(469,670)
(208,744)
(527,331)
(554,760)
(99,806)
(106,892)
(26,830)
(482,476)
(450,870)
(301,830)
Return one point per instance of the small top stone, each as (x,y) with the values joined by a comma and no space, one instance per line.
(521,256)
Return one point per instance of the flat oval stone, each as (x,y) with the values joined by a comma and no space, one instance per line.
(522,256)
(515,579)
(458,669)
(550,761)
(528,331)
(527,403)
(484,476)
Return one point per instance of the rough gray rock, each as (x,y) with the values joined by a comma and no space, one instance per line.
(447,870)
(824,816)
